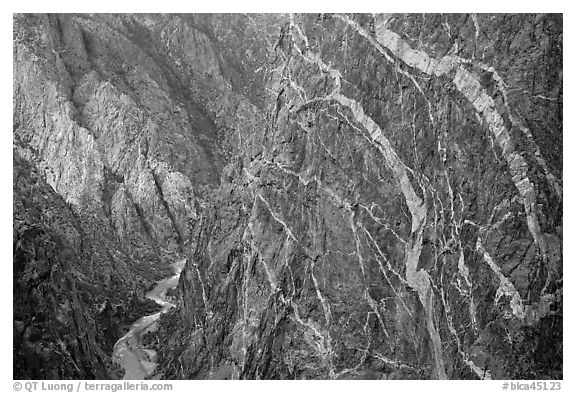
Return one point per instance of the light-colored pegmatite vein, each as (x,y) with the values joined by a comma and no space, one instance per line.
(392,362)
(277,218)
(317,336)
(468,84)
(419,280)
(271,277)
(505,288)
(502,88)
(248,260)
(374,306)
(465,287)
(528,313)
(382,256)
(467,291)
(482,374)
(204,297)
(369,210)
(354,370)
(318,339)
(338,201)
(476,31)
(325,304)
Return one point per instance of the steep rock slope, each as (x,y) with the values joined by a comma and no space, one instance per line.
(399,214)
(130,118)
(357,196)
(75,290)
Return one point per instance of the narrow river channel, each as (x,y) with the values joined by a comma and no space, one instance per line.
(129,351)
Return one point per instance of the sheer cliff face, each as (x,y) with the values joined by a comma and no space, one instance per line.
(74,287)
(358,196)
(399,216)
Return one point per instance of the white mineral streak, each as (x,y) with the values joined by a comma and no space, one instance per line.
(464,272)
(248,260)
(552,180)
(325,304)
(528,314)
(476,28)
(469,85)
(419,280)
(278,219)
(317,338)
(482,374)
(271,277)
(506,287)
(347,206)
(204,298)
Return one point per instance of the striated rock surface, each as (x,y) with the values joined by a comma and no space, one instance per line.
(357,196)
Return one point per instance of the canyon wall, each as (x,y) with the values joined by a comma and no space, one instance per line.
(357,196)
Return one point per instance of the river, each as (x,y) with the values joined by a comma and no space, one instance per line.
(129,351)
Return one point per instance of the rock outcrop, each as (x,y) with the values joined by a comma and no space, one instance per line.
(357,196)
(75,288)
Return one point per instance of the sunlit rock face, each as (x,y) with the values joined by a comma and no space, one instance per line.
(357,196)
(74,290)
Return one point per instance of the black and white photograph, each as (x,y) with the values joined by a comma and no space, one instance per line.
(287,196)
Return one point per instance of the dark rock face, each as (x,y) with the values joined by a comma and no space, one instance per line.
(75,289)
(357,196)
